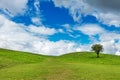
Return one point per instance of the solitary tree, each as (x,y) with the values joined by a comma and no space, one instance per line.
(97,48)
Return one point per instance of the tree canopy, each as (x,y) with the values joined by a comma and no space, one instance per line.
(97,48)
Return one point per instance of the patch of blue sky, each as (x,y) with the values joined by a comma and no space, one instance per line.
(54,15)
(26,20)
(89,19)
(82,38)
(110,28)
(29,13)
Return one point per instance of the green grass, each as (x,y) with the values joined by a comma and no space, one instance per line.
(15,65)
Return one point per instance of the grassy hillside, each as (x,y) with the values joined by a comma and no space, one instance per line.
(16,65)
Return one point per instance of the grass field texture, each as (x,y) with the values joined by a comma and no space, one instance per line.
(15,65)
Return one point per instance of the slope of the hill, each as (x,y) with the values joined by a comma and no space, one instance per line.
(15,65)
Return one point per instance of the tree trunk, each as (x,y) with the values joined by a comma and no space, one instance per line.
(98,55)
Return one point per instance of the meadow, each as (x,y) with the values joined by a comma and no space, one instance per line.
(16,65)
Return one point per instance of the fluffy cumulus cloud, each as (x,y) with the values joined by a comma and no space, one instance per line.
(90,29)
(13,8)
(42,30)
(109,40)
(109,19)
(105,11)
(56,48)
(36,20)
(109,47)
(18,7)
(15,36)
(76,7)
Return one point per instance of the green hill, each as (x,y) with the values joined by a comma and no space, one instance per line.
(15,65)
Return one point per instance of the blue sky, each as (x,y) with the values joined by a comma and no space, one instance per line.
(55,27)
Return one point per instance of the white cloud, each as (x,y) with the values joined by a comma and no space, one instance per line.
(75,7)
(107,39)
(42,30)
(109,47)
(108,18)
(68,28)
(90,29)
(14,36)
(61,31)
(83,7)
(109,36)
(15,7)
(56,48)
(36,20)
(37,6)
(18,7)
(118,48)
